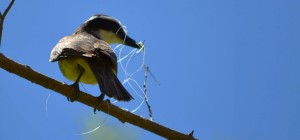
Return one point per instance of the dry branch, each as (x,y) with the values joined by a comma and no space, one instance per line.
(2,17)
(89,100)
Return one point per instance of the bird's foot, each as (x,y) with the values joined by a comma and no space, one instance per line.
(75,85)
(100,99)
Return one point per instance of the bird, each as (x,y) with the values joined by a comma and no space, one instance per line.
(86,56)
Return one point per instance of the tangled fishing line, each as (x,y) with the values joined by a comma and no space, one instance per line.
(131,63)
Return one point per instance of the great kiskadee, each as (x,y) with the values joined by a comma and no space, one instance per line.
(87,57)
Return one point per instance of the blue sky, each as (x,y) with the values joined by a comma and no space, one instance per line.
(228,69)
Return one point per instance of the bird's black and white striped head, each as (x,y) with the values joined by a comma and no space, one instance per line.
(108,29)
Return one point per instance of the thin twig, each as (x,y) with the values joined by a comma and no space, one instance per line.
(8,8)
(89,100)
(145,93)
(155,79)
(2,18)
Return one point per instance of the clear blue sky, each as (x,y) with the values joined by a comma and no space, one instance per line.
(230,70)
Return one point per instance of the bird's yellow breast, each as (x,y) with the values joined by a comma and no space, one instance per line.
(69,68)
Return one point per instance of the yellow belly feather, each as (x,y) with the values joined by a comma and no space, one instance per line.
(69,68)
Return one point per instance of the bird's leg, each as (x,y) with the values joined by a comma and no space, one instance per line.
(76,84)
(100,99)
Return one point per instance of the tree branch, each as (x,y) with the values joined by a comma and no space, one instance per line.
(89,100)
(2,17)
(8,8)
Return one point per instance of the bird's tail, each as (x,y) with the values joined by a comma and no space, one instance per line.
(109,83)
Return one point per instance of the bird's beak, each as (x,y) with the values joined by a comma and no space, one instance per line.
(132,43)
(127,40)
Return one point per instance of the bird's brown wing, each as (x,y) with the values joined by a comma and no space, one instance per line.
(83,45)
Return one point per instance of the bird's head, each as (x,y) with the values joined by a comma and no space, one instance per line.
(108,29)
